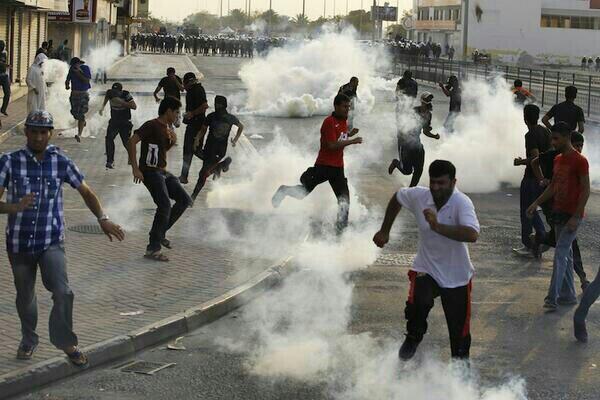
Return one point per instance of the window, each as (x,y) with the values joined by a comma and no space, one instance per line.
(569,22)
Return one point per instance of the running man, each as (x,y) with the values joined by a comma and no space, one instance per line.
(218,124)
(121,104)
(349,89)
(157,137)
(407,86)
(329,166)
(567,111)
(570,191)
(453,90)
(35,235)
(522,96)
(447,222)
(410,149)
(171,85)
(195,107)
(78,81)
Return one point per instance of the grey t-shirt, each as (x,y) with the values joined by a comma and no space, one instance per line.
(220,123)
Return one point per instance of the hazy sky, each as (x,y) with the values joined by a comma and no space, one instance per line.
(179,9)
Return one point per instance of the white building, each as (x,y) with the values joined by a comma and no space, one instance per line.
(557,31)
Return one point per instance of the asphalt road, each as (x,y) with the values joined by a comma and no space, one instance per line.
(512,337)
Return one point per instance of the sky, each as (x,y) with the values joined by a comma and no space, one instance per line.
(314,8)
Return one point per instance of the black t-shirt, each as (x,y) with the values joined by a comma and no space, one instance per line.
(537,138)
(455,98)
(170,86)
(3,61)
(546,160)
(408,87)
(568,112)
(219,124)
(348,90)
(194,98)
(119,113)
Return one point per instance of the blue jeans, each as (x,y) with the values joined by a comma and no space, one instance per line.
(529,192)
(562,284)
(53,269)
(590,295)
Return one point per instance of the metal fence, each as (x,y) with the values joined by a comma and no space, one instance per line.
(546,86)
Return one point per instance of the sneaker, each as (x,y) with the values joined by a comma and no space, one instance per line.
(183,180)
(408,348)
(550,306)
(78,138)
(523,252)
(278,197)
(580,331)
(25,352)
(393,166)
(110,166)
(4,112)
(225,164)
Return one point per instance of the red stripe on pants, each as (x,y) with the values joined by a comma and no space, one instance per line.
(412,275)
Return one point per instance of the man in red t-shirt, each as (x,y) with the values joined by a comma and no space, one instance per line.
(330,162)
(570,190)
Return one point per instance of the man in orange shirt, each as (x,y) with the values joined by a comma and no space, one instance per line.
(330,162)
(521,94)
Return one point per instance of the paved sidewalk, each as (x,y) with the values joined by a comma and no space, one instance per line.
(212,254)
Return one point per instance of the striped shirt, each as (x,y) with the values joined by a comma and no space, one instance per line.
(42,224)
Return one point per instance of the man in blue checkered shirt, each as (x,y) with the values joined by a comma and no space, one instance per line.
(35,235)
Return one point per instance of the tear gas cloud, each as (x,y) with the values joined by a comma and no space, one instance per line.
(301,80)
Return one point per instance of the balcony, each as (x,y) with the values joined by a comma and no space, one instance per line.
(433,25)
(439,3)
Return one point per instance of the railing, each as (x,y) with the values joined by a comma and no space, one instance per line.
(547,86)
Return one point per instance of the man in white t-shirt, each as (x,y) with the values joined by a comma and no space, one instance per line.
(447,221)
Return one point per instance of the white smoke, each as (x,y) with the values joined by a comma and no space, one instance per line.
(301,80)
(102,58)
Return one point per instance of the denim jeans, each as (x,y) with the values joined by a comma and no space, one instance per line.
(589,297)
(163,187)
(122,129)
(53,269)
(5,84)
(562,285)
(191,131)
(529,192)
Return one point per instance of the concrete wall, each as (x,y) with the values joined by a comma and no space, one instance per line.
(511,27)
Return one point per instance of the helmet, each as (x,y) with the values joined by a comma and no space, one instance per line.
(40,119)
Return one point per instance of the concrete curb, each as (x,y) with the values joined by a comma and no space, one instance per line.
(57,368)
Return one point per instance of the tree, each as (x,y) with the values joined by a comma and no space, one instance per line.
(271,18)
(396,30)
(203,20)
(236,19)
(300,20)
(361,20)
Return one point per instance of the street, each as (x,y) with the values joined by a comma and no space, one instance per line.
(332,330)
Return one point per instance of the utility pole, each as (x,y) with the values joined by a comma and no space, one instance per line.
(346,7)
(362,10)
(303,9)
(465,27)
(221,9)
(270,16)
(324,8)
(228,7)
(334,9)
(373,18)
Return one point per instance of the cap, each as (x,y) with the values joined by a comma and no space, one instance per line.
(40,119)
(426,97)
(188,77)
(117,86)
(76,60)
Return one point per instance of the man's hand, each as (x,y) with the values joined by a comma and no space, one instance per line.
(573,223)
(25,202)
(35,91)
(436,136)
(157,99)
(431,218)
(233,142)
(101,112)
(138,176)
(544,182)
(357,140)
(532,209)
(188,115)
(111,229)
(354,131)
(381,239)
(518,161)
(172,136)
(440,84)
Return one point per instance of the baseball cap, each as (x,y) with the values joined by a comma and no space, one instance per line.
(117,86)
(76,60)
(426,97)
(222,100)
(40,119)
(188,77)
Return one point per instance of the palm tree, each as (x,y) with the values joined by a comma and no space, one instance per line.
(300,20)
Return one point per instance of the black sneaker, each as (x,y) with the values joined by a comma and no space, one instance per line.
(584,285)
(409,348)
(580,331)
(110,166)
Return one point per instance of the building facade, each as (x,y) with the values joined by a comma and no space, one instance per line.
(23,27)
(550,31)
(87,24)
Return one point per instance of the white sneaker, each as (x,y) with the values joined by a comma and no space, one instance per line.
(523,252)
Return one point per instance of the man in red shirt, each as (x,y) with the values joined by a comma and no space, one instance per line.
(570,190)
(330,162)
